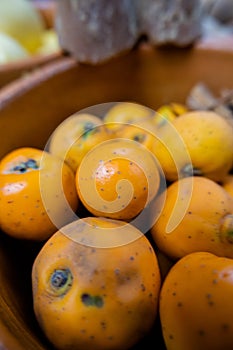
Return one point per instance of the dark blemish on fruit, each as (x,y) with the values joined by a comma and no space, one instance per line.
(143,288)
(119,172)
(24,166)
(92,300)
(171,336)
(92,337)
(131,258)
(139,138)
(82,331)
(179,304)
(144,188)
(189,237)
(88,128)
(9,202)
(174,293)
(103,325)
(215,281)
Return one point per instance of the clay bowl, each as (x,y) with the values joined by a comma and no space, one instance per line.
(16,69)
(30,109)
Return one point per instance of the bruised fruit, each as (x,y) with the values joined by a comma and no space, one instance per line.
(96,284)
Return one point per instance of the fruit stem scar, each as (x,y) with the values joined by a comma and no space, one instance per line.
(61,280)
(22,167)
(92,300)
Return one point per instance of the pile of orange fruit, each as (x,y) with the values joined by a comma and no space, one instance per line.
(135,211)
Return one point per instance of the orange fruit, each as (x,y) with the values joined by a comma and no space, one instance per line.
(86,296)
(37,194)
(197,216)
(118,179)
(196,303)
(76,135)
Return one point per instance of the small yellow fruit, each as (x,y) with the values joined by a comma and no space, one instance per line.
(10,49)
(21,20)
(205,136)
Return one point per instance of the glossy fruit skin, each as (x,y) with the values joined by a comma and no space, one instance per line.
(31,197)
(196,303)
(202,220)
(110,302)
(207,139)
(118,179)
(77,135)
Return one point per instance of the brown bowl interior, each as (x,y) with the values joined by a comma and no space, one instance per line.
(32,107)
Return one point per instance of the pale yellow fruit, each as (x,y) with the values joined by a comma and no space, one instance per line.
(49,43)
(10,49)
(22,21)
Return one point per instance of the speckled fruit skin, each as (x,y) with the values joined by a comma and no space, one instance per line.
(196,303)
(205,224)
(24,213)
(118,179)
(110,302)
